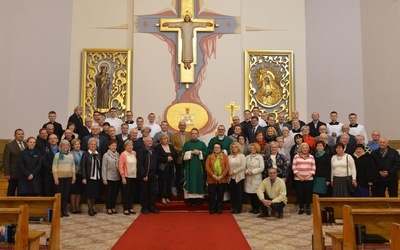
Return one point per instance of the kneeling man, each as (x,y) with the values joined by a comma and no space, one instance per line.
(272,193)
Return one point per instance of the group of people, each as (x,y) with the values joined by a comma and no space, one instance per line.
(258,158)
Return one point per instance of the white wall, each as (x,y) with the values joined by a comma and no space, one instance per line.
(380,40)
(334,59)
(35,53)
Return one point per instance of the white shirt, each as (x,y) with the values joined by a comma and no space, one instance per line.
(334,128)
(116,123)
(155,128)
(131,126)
(262,123)
(359,130)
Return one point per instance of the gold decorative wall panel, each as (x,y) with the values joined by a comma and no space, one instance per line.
(106,81)
(269,81)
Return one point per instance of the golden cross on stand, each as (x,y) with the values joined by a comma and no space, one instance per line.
(187,26)
(232,109)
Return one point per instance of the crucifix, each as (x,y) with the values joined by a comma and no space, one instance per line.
(187,28)
(231,107)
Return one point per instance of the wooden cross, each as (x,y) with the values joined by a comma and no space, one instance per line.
(187,37)
(232,109)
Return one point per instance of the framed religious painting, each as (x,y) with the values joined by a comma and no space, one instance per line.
(269,81)
(106,81)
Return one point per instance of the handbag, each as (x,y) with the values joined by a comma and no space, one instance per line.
(320,185)
(349,180)
(162,166)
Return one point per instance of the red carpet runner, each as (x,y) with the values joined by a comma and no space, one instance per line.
(183,230)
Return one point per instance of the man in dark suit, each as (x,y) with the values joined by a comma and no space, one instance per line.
(58,130)
(255,129)
(76,118)
(87,129)
(47,166)
(246,124)
(352,139)
(11,155)
(281,123)
(164,130)
(315,124)
(388,161)
(121,138)
(147,176)
(41,141)
(295,115)
(102,146)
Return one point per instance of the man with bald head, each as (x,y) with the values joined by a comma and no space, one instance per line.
(388,162)
(102,145)
(235,121)
(147,176)
(47,164)
(221,138)
(315,124)
(296,115)
(178,139)
(323,130)
(352,139)
(281,123)
(374,144)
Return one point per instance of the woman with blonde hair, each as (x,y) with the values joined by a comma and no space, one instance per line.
(91,174)
(166,158)
(304,169)
(254,169)
(111,176)
(277,161)
(271,134)
(237,164)
(76,190)
(64,174)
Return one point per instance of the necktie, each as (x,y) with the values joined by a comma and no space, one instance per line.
(254,130)
(21,146)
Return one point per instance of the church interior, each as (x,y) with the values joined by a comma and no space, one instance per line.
(343,54)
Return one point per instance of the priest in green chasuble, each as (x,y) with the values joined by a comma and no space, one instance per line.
(194,153)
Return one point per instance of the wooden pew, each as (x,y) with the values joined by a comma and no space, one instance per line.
(38,207)
(376,221)
(395,240)
(337,203)
(17,216)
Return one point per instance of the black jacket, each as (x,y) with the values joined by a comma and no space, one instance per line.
(390,163)
(146,163)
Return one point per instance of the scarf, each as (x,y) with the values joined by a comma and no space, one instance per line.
(262,144)
(95,173)
(217,159)
(62,154)
(114,156)
(319,154)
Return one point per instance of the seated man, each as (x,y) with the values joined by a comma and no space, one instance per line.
(272,194)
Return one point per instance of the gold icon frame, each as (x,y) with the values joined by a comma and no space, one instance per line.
(118,62)
(277,66)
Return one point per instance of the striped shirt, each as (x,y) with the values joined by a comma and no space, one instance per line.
(303,166)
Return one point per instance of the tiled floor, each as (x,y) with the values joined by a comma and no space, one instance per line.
(102,231)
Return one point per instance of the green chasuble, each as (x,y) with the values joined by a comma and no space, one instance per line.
(193,169)
(225,142)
